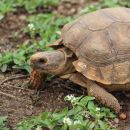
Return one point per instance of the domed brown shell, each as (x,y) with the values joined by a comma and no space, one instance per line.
(101,41)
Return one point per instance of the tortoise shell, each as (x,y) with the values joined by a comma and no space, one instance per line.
(101,42)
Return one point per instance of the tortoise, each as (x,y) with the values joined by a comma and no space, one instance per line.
(93,51)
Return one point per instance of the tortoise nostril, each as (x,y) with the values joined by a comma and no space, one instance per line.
(42,61)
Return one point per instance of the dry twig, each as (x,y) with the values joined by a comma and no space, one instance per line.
(7,95)
(21,88)
(12,78)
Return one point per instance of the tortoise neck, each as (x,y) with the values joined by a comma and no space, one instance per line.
(68,67)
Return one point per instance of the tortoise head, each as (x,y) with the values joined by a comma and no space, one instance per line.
(56,62)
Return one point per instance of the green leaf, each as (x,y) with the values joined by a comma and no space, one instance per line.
(84,101)
(91,105)
(17,61)
(103,125)
(27,68)
(3,120)
(74,111)
(92,125)
(5,128)
(1,17)
(60,115)
(4,68)
(64,127)
(44,115)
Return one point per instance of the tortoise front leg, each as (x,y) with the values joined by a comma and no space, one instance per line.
(37,80)
(100,94)
(103,96)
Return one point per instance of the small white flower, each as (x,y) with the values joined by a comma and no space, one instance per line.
(77,122)
(86,114)
(58,32)
(31,26)
(39,128)
(97,109)
(67,121)
(70,97)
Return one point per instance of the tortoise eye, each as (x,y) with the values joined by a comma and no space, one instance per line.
(42,61)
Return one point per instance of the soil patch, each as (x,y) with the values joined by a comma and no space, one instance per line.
(11,34)
(18,103)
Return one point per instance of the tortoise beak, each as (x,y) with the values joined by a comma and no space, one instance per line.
(39,59)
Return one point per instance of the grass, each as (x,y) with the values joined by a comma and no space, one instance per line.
(48,33)
(29,5)
(106,4)
(3,120)
(85,114)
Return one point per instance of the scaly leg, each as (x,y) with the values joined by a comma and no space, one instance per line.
(37,80)
(103,96)
(100,94)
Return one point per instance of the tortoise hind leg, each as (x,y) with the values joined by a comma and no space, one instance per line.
(100,94)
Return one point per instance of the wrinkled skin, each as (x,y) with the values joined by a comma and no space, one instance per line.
(58,62)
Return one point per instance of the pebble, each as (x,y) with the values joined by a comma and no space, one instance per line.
(116,120)
(122,116)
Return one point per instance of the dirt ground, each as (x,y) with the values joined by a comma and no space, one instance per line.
(19,103)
